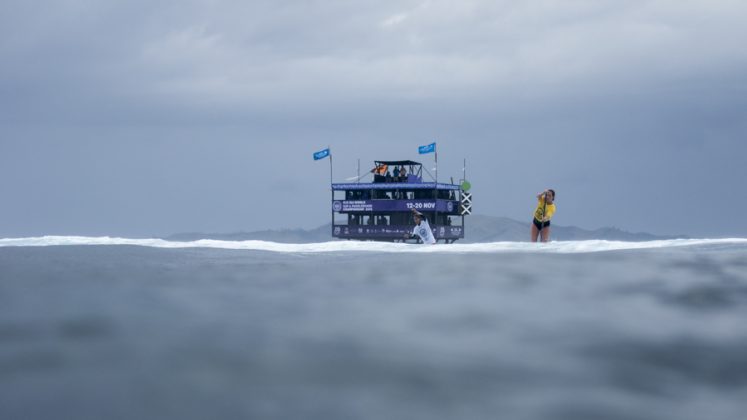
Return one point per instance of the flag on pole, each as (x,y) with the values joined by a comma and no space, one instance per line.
(430,148)
(379,170)
(321,154)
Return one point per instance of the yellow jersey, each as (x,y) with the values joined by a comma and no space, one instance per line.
(544,213)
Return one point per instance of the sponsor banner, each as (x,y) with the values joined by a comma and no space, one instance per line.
(368,232)
(355,206)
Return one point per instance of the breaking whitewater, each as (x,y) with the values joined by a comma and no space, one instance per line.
(94,328)
(562,247)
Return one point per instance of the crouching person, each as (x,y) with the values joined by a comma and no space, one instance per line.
(422,229)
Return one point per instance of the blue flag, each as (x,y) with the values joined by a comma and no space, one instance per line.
(321,154)
(427,149)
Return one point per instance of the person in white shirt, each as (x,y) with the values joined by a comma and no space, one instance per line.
(422,229)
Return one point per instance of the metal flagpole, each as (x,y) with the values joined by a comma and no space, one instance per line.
(461,191)
(330,166)
(435,214)
(436,153)
(332,191)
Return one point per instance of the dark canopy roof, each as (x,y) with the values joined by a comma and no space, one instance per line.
(396,162)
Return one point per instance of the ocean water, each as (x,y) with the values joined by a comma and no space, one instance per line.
(113,328)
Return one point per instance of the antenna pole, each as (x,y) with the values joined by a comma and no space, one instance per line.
(461,192)
(435,214)
(332,191)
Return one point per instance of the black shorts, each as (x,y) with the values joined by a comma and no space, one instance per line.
(539,224)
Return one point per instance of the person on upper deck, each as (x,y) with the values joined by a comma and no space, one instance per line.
(396,174)
(403,174)
(542,215)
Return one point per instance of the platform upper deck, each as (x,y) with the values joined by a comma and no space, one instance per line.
(394,186)
(383,179)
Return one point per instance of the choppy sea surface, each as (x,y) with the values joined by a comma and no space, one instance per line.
(114,328)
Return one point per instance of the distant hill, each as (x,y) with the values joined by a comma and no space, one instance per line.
(495,229)
(479,229)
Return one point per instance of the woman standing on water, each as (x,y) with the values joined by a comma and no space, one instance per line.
(542,215)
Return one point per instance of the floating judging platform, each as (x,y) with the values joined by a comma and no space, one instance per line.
(382,209)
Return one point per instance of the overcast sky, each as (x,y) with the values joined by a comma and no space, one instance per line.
(146,118)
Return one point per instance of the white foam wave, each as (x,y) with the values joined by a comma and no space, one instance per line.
(562,247)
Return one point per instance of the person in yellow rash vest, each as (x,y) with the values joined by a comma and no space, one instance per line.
(542,215)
